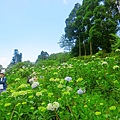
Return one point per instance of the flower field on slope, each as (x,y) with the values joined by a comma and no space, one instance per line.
(75,90)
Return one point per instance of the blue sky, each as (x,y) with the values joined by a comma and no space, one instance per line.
(32,26)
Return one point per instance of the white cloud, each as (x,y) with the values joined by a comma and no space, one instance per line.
(65,1)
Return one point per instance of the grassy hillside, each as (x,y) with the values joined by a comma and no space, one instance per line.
(76,90)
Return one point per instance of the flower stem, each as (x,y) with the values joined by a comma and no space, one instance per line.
(57,117)
(12,113)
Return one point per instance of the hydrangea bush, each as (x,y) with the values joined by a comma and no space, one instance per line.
(75,90)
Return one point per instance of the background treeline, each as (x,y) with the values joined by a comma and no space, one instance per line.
(90,25)
(42,60)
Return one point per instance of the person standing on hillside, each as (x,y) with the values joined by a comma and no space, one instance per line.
(3,84)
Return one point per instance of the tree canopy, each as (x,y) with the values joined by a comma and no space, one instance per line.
(17,57)
(43,56)
(90,25)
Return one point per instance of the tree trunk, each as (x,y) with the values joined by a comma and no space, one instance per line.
(84,48)
(91,48)
(79,46)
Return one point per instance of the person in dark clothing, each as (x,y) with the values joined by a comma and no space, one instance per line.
(3,84)
(28,80)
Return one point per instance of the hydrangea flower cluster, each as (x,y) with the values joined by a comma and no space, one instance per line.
(117,50)
(104,63)
(68,79)
(53,106)
(80,91)
(35,84)
(23,86)
(115,67)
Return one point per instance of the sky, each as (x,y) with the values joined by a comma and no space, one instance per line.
(32,26)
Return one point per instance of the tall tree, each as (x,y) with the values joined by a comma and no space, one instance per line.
(96,19)
(106,20)
(79,29)
(93,23)
(88,21)
(42,56)
(17,57)
(69,38)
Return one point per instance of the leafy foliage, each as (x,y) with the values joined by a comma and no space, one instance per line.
(115,42)
(42,56)
(76,89)
(17,57)
(89,26)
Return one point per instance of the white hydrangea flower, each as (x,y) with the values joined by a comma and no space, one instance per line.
(80,91)
(93,56)
(115,67)
(56,105)
(23,67)
(68,79)
(117,50)
(63,64)
(70,66)
(53,106)
(34,73)
(35,84)
(50,107)
(104,63)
